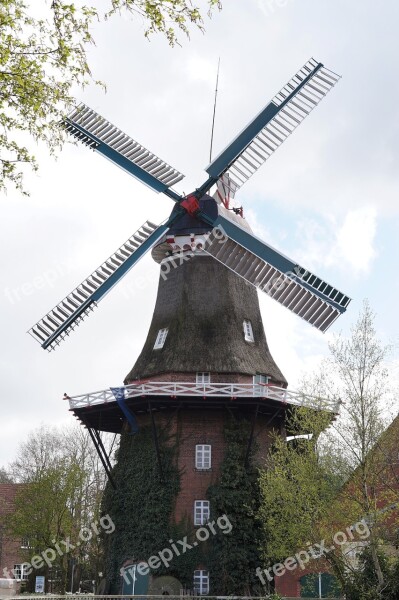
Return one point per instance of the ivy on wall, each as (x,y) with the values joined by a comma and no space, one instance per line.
(142,508)
(233,558)
(141,504)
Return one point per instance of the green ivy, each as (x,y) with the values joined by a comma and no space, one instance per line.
(183,566)
(141,505)
(233,558)
(142,508)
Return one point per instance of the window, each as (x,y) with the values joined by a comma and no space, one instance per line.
(21,571)
(248,333)
(201,512)
(320,585)
(201,582)
(203,453)
(161,337)
(260,378)
(203,378)
(25,543)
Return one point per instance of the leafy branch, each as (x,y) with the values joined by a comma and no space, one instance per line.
(42,59)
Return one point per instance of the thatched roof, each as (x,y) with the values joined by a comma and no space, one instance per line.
(203,305)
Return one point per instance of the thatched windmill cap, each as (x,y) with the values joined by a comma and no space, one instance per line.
(203,305)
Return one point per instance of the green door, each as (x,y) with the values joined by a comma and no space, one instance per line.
(133,583)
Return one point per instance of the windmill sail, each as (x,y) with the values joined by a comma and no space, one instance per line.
(291,285)
(225,190)
(99,134)
(258,263)
(68,313)
(271,127)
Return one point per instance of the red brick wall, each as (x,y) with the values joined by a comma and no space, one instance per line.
(194,426)
(288,584)
(197,427)
(205,426)
(10,549)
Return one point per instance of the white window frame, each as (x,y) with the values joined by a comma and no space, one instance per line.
(201,512)
(248,331)
(261,378)
(161,338)
(203,457)
(19,571)
(203,377)
(201,582)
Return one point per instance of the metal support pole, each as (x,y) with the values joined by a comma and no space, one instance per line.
(103,460)
(101,445)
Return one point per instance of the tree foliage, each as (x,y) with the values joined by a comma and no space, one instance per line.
(359,365)
(363,583)
(43,56)
(345,474)
(62,484)
(296,490)
(5,476)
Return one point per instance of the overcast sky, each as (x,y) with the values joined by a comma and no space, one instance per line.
(328,198)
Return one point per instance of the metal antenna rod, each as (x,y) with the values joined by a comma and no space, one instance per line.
(214,111)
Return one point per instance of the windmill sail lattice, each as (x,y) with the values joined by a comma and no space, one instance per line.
(99,134)
(315,307)
(271,127)
(77,305)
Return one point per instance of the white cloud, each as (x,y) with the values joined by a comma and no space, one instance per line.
(349,245)
(355,239)
(200,69)
(258,226)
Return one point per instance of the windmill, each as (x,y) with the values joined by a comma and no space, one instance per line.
(205,366)
(197,214)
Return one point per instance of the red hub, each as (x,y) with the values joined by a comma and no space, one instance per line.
(191,205)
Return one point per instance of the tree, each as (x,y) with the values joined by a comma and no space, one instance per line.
(5,476)
(58,506)
(296,490)
(43,55)
(359,365)
(44,515)
(345,475)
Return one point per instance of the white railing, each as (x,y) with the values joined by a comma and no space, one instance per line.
(204,390)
